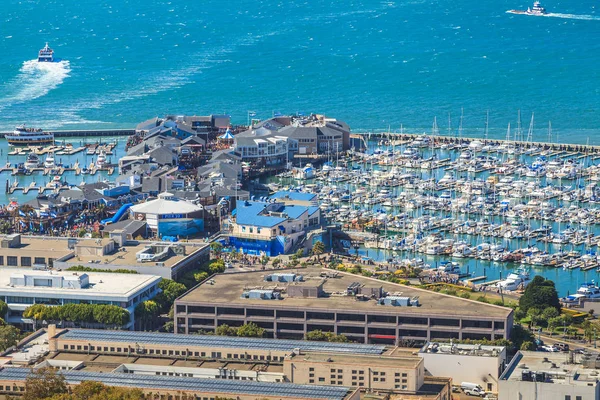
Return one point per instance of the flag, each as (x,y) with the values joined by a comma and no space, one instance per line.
(21,213)
(53,215)
(252,113)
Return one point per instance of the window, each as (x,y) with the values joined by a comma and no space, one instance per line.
(39,260)
(321,379)
(375,379)
(12,261)
(577,397)
(1,260)
(26,261)
(311,381)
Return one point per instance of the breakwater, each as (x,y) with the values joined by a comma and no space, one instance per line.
(86,133)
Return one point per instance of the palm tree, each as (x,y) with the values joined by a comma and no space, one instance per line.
(318,249)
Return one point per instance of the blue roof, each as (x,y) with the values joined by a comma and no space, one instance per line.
(312,210)
(201,385)
(298,196)
(247,214)
(294,211)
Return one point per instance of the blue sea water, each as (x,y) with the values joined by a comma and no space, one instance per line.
(372,63)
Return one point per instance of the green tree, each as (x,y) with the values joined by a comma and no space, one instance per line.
(9,336)
(225,330)
(318,249)
(519,335)
(44,383)
(90,390)
(549,312)
(3,309)
(216,267)
(316,335)
(528,346)
(540,293)
(146,313)
(217,248)
(554,323)
(250,330)
(534,315)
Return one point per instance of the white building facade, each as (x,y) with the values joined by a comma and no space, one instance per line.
(477,364)
(21,288)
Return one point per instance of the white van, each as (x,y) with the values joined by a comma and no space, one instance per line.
(472,389)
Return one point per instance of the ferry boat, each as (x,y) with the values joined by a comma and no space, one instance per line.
(46,54)
(24,136)
(537,9)
(32,161)
(515,280)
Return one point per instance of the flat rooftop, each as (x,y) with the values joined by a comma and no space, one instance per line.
(356,359)
(106,285)
(171,339)
(217,386)
(39,247)
(474,350)
(554,365)
(125,256)
(226,289)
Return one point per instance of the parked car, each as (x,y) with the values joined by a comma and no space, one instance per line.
(472,389)
(561,346)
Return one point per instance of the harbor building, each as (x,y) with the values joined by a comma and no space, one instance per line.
(550,376)
(475,363)
(270,227)
(349,367)
(277,140)
(21,288)
(170,216)
(366,310)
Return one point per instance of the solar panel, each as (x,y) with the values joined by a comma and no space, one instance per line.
(219,341)
(200,385)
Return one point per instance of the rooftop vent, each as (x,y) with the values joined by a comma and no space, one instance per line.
(261,294)
(399,301)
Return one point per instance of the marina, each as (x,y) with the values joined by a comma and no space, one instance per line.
(492,206)
(32,170)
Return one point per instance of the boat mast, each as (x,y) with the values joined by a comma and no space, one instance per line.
(487,124)
(530,131)
(460,125)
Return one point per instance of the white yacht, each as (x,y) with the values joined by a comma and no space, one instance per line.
(515,280)
(32,161)
(49,163)
(101,161)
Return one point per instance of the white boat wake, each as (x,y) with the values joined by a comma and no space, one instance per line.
(574,16)
(35,80)
(583,17)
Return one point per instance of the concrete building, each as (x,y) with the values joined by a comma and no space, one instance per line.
(114,252)
(364,309)
(165,259)
(390,371)
(170,216)
(549,376)
(465,363)
(270,227)
(12,382)
(21,288)
(372,368)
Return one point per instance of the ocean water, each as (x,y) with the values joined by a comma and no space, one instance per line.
(375,64)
